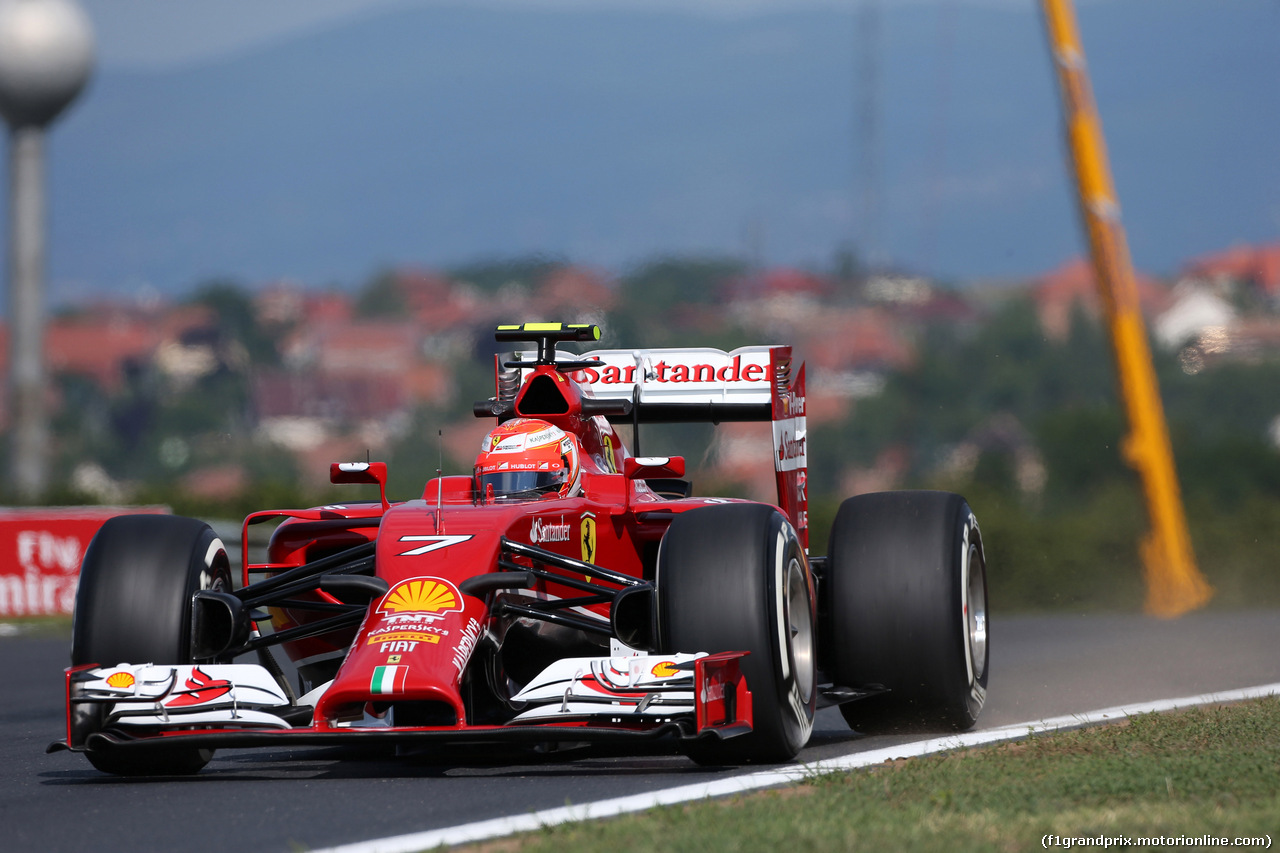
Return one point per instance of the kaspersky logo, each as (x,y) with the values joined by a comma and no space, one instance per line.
(421,595)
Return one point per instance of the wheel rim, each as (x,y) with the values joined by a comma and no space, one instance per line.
(976,606)
(799,629)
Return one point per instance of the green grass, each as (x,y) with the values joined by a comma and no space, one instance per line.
(1206,771)
(36,626)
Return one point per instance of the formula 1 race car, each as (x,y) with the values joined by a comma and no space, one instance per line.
(565,592)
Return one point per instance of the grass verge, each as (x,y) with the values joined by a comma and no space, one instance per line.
(36,626)
(1207,771)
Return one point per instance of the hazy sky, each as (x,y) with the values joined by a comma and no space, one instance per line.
(447,130)
(158,33)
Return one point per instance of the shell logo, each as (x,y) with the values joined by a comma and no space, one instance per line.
(120,679)
(666,669)
(421,595)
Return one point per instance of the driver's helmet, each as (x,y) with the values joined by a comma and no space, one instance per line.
(525,459)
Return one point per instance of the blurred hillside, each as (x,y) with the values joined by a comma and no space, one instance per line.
(238,398)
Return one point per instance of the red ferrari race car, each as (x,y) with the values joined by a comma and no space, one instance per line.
(569,590)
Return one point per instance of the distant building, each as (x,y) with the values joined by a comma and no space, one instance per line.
(1256,267)
(774,283)
(281,303)
(1058,293)
(571,289)
(897,289)
(1196,309)
(99,348)
(105,343)
(858,339)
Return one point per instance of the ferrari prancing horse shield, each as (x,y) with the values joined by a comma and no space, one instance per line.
(588,538)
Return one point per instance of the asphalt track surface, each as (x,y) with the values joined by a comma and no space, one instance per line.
(293,799)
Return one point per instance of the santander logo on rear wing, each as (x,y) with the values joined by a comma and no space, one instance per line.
(743,377)
(701,384)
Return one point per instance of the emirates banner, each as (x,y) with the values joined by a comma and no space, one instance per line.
(40,553)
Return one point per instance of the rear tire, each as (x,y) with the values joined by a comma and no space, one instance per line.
(905,607)
(734,577)
(133,605)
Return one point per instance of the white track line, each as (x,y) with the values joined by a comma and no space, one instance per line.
(501,826)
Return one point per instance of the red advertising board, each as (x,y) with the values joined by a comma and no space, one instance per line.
(40,553)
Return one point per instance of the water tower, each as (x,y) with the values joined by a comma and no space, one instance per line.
(46,55)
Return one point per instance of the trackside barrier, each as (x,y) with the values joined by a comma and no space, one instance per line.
(40,553)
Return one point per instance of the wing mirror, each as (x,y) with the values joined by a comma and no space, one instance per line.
(372,473)
(646,467)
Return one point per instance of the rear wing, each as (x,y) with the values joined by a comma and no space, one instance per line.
(705,385)
(697,384)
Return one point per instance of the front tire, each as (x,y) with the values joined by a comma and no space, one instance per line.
(734,577)
(133,605)
(905,607)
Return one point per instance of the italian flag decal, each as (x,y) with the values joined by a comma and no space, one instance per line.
(388,679)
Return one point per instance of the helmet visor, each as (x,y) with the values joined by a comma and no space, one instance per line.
(516,485)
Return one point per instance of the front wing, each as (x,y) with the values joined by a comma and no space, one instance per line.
(580,700)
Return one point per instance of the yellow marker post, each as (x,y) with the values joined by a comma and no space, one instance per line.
(1174,584)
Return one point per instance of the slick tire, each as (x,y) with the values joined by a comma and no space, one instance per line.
(905,607)
(735,577)
(133,605)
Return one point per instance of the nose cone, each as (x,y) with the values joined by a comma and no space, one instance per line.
(46,55)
